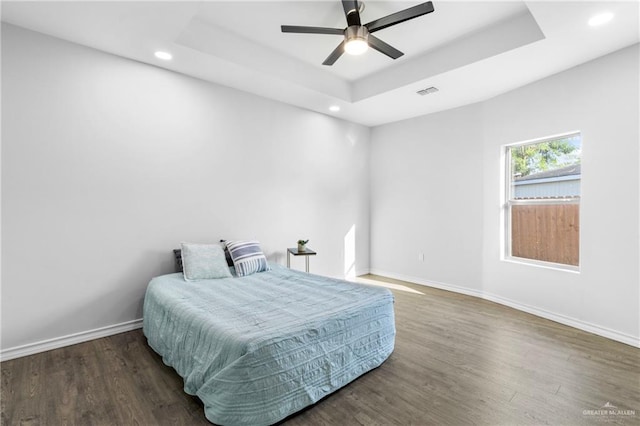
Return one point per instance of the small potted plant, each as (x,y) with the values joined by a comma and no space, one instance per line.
(302,245)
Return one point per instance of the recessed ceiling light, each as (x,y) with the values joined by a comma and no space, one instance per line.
(600,19)
(334,108)
(166,56)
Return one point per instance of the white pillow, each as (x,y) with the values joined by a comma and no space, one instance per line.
(203,261)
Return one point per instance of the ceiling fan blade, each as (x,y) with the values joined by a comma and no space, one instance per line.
(352,12)
(331,59)
(398,17)
(383,47)
(311,30)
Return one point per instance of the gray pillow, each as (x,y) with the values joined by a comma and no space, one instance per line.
(177,256)
(227,255)
(203,261)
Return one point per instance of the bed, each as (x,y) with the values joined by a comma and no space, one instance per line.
(259,348)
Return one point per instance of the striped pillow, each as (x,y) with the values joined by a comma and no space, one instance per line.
(247,257)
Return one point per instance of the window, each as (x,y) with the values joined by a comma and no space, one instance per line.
(542,214)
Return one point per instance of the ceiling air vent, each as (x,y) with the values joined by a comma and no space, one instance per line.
(427,91)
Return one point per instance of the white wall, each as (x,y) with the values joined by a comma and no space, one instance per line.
(600,99)
(436,179)
(426,198)
(107,164)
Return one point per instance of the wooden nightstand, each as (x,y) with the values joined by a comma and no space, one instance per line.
(294,251)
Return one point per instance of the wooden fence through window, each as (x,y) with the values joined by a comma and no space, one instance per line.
(548,232)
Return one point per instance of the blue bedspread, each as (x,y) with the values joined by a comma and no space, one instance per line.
(259,348)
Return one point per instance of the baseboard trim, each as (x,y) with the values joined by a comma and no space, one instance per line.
(68,340)
(364,271)
(428,283)
(559,318)
(571,322)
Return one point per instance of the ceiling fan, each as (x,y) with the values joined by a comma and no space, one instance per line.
(358,37)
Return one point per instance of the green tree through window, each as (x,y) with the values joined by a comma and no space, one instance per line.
(536,158)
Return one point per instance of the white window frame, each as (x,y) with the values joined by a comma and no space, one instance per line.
(507,202)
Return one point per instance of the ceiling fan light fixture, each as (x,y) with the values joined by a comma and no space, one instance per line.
(356,40)
(356,46)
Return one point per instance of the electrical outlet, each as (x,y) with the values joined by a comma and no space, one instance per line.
(421,257)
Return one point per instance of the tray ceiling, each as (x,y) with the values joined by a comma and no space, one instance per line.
(470,51)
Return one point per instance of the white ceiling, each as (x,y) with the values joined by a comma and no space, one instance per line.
(470,51)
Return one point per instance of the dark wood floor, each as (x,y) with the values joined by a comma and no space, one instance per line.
(458,360)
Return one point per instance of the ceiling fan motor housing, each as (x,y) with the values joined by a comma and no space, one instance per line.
(356,32)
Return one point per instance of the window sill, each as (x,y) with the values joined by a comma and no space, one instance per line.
(542,264)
